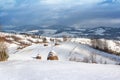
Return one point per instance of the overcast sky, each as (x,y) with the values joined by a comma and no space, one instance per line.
(75,13)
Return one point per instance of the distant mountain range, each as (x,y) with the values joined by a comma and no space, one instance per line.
(60,30)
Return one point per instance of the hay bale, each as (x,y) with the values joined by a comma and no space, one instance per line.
(38,56)
(45,44)
(56,44)
(52,56)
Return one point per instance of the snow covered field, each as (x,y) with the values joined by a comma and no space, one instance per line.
(66,51)
(57,70)
(22,65)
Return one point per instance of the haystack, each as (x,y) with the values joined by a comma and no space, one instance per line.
(38,56)
(52,56)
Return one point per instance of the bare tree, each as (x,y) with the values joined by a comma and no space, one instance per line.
(3,49)
(44,40)
(92,58)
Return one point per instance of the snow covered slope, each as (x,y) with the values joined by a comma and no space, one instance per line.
(22,64)
(25,47)
(111,46)
(57,70)
(66,51)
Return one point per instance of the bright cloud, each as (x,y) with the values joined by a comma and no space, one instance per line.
(71,1)
(7,4)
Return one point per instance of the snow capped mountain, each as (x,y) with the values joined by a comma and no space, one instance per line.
(60,31)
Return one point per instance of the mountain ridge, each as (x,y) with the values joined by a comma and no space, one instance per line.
(61,30)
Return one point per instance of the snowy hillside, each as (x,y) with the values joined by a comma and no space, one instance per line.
(25,47)
(111,46)
(65,52)
(76,59)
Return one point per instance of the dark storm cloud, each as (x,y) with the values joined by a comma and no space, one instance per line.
(64,12)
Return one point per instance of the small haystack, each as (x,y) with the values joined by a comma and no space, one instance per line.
(52,56)
(45,44)
(38,56)
(56,44)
